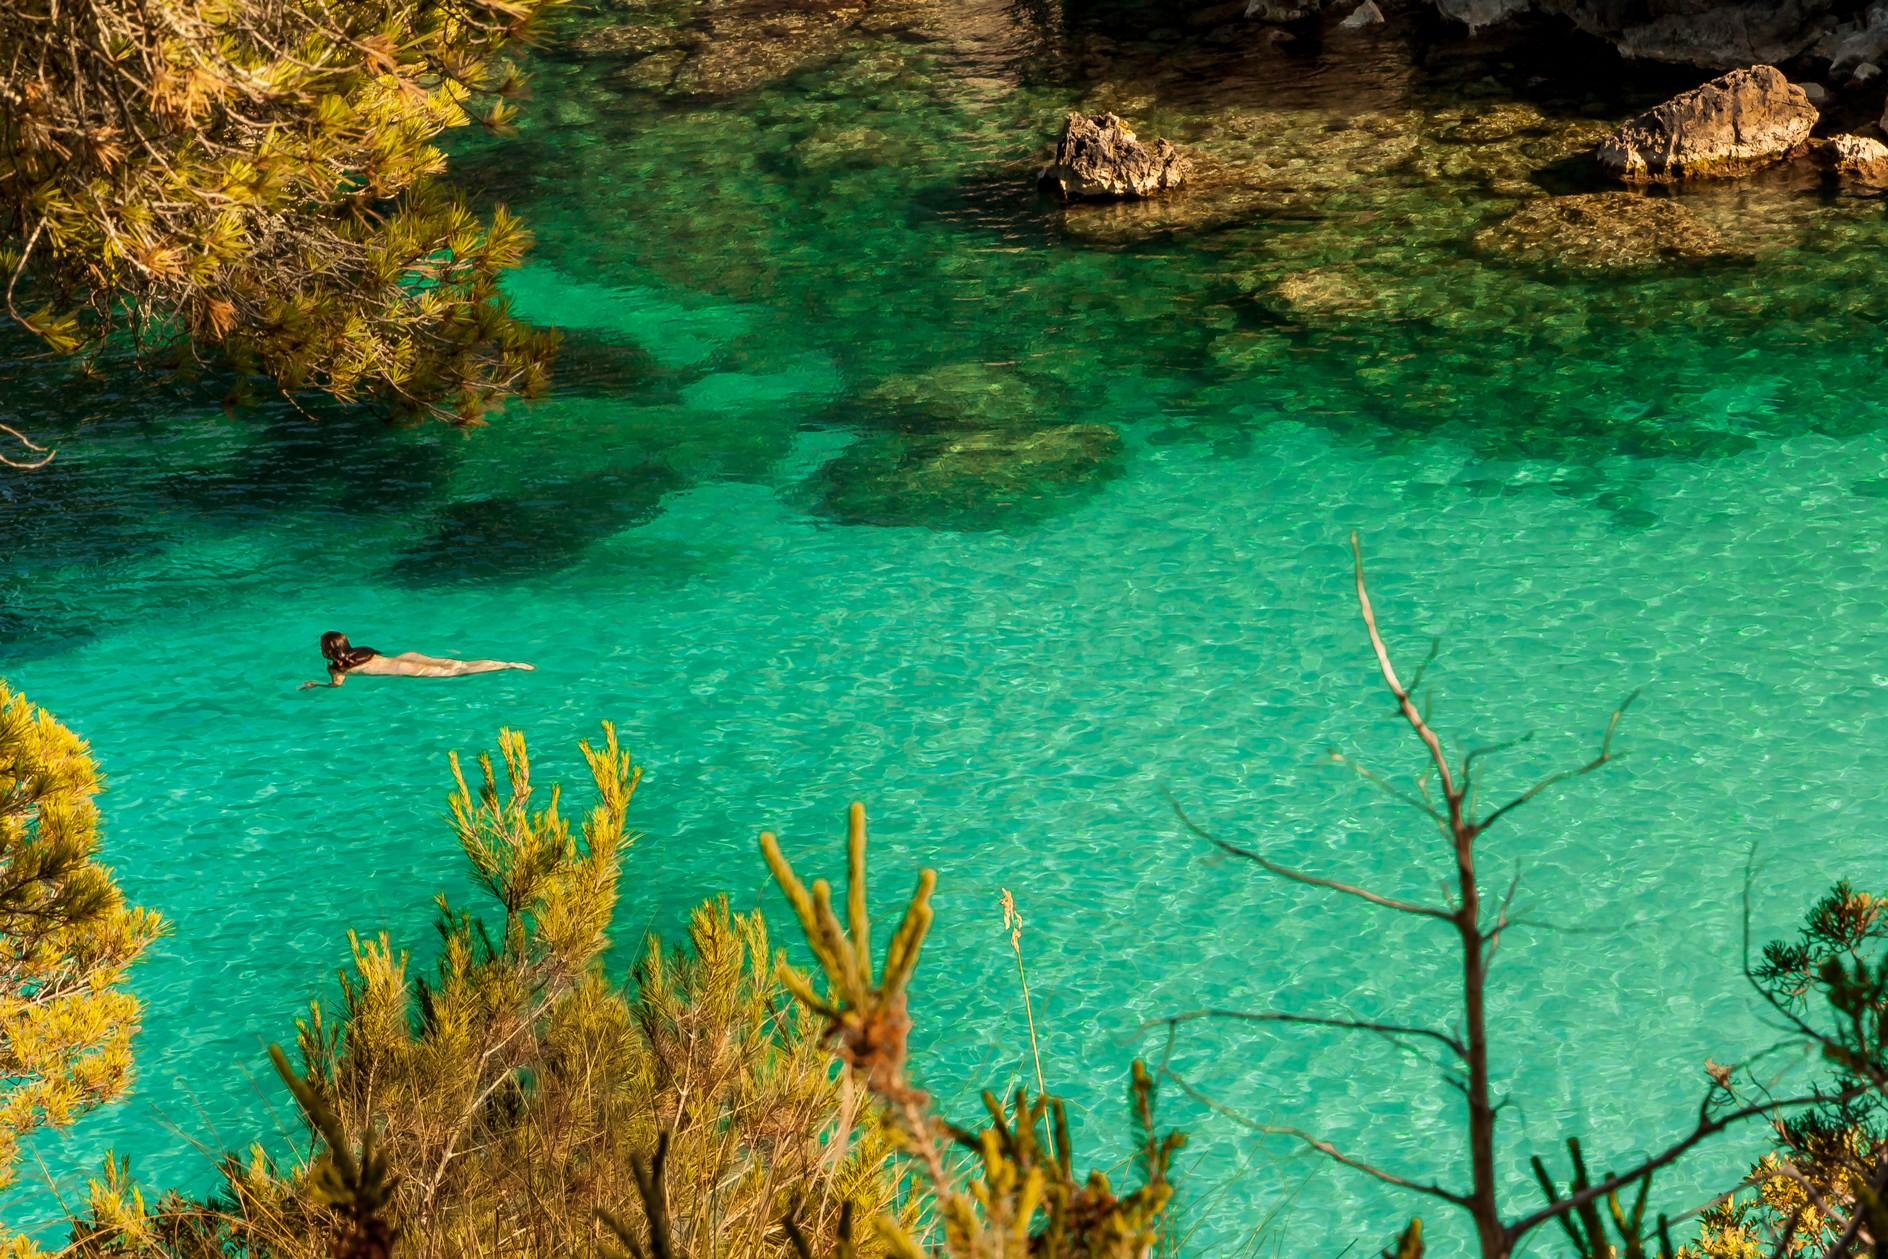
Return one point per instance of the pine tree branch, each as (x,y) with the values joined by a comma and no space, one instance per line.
(1706,1126)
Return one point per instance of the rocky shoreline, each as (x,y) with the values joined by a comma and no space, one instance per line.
(1426,203)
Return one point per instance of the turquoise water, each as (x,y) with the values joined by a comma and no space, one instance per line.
(866,481)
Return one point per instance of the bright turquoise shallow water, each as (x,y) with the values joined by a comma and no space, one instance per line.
(1010,700)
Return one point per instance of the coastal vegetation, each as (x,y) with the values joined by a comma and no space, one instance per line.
(67,936)
(250,192)
(266,205)
(718,1102)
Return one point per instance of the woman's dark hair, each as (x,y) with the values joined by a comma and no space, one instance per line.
(341,657)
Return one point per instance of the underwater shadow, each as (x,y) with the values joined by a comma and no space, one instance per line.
(999,203)
(513,537)
(361,464)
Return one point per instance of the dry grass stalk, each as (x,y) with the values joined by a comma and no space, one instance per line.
(1013,923)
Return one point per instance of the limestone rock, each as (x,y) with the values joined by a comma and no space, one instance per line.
(1098,157)
(1281,10)
(1852,155)
(1602,232)
(1366,14)
(1479,13)
(1730,126)
(1718,34)
(1856,45)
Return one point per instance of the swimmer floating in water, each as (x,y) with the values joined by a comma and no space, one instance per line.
(344,660)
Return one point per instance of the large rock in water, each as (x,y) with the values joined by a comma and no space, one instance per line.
(1717,34)
(1731,125)
(1098,157)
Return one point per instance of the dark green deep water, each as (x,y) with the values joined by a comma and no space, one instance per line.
(868,477)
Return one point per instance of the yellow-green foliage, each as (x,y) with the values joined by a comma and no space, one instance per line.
(66,934)
(512,1090)
(1023,1202)
(257,178)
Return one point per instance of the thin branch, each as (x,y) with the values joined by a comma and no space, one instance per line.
(1468,762)
(1321,1146)
(1493,938)
(1298,876)
(1388,788)
(1384,1029)
(1415,719)
(1788,1171)
(1706,1127)
(1843,1245)
(1606,754)
(28,443)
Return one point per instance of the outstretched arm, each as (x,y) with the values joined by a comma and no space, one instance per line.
(334,679)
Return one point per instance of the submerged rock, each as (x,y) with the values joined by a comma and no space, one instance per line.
(965,446)
(727,50)
(971,392)
(1729,126)
(1603,232)
(1099,158)
(963,477)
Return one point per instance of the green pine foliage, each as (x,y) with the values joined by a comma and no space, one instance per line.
(1016,1195)
(503,1103)
(1822,1190)
(66,935)
(253,185)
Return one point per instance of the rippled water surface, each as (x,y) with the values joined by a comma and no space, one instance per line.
(867,478)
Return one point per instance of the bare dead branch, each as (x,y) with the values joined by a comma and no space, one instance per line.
(1321,1146)
(1298,876)
(1501,916)
(1391,1030)
(29,444)
(1468,762)
(1388,788)
(1415,719)
(1606,754)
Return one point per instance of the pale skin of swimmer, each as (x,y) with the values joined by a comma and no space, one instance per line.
(413,664)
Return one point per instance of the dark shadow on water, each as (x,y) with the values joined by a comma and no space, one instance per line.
(590,364)
(999,202)
(353,460)
(508,538)
(34,627)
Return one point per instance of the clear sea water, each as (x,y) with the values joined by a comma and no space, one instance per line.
(722,533)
